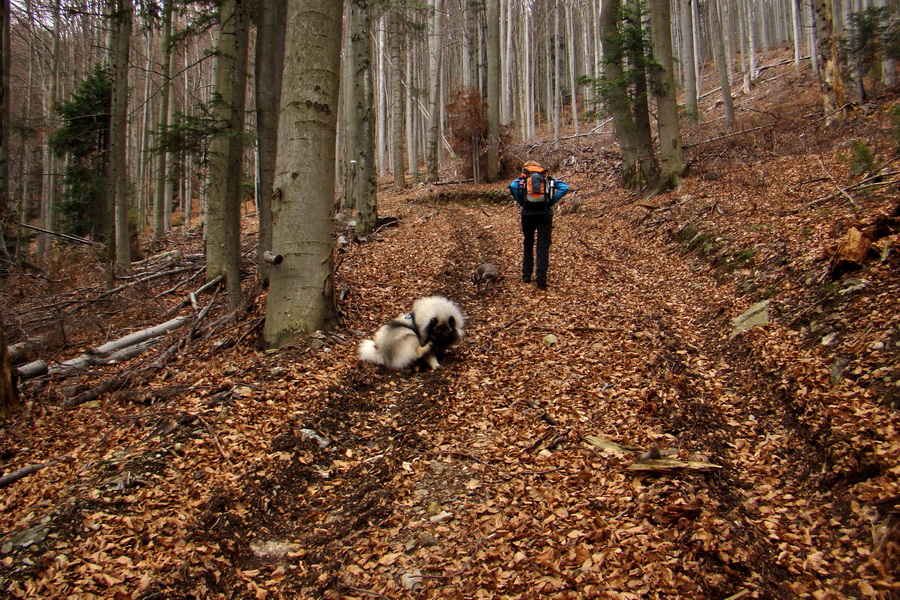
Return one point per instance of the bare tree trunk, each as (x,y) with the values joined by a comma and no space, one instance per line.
(5,205)
(120,50)
(666,100)
(493,92)
(269,64)
(226,150)
(649,167)
(827,48)
(359,144)
(48,202)
(617,100)
(9,398)
(398,168)
(689,60)
(797,33)
(160,216)
(434,92)
(570,46)
(719,52)
(301,288)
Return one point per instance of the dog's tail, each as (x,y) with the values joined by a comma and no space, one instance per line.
(368,352)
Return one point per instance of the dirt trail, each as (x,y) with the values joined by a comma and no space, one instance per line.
(474,481)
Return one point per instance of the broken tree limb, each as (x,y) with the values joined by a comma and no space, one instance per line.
(665,465)
(136,342)
(272,259)
(65,236)
(18,474)
(33,369)
(722,137)
(138,337)
(115,383)
(205,287)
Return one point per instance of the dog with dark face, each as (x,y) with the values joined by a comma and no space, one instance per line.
(486,275)
(434,325)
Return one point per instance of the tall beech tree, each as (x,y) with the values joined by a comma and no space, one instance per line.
(5,112)
(663,77)
(359,134)
(271,20)
(828,52)
(121,17)
(301,288)
(493,91)
(223,252)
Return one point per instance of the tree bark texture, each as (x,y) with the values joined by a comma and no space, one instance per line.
(269,64)
(493,91)
(395,40)
(160,216)
(9,398)
(226,150)
(359,141)
(664,90)
(689,60)
(719,51)
(617,100)
(301,288)
(432,153)
(120,51)
(5,113)
(827,49)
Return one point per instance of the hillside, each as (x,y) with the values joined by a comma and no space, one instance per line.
(526,466)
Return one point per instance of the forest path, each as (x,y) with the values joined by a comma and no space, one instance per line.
(642,357)
(476,478)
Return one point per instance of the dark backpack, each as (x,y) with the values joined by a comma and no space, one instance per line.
(535,184)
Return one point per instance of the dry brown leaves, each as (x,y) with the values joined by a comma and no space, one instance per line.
(238,473)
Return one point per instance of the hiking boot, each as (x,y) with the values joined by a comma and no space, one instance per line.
(542,285)
(526,278)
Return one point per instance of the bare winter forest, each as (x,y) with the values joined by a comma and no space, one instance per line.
(703,402)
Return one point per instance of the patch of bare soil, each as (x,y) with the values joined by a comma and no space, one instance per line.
(610,437)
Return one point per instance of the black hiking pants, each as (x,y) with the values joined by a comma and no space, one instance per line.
(542,226)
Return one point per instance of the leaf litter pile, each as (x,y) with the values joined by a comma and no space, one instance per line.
(622,434)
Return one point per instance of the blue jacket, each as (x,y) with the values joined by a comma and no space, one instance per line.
(538,208)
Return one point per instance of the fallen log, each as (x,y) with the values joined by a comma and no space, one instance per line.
(111,351)
(91,394)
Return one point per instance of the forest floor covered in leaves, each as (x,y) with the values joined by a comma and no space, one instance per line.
(609,437)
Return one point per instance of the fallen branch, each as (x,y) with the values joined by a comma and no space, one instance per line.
(65,236)
(723,137)
(836,184)
(109,385)
(26,471)
(112,351)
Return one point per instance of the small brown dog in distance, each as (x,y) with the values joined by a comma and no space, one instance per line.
(487,275)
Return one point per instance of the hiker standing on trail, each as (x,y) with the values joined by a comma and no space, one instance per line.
(536,193)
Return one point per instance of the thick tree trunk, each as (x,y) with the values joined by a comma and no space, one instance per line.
(227,151)
(359,143)
(301,288)
(160,216)
(827,49)
(269,64)
(435,52)
(118,185)
(5,203)
(9,398)
(718,45)
(48,201)
(493,91)
(649,167)
(617,99)
(666,100)
(689,60)
(398,168)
